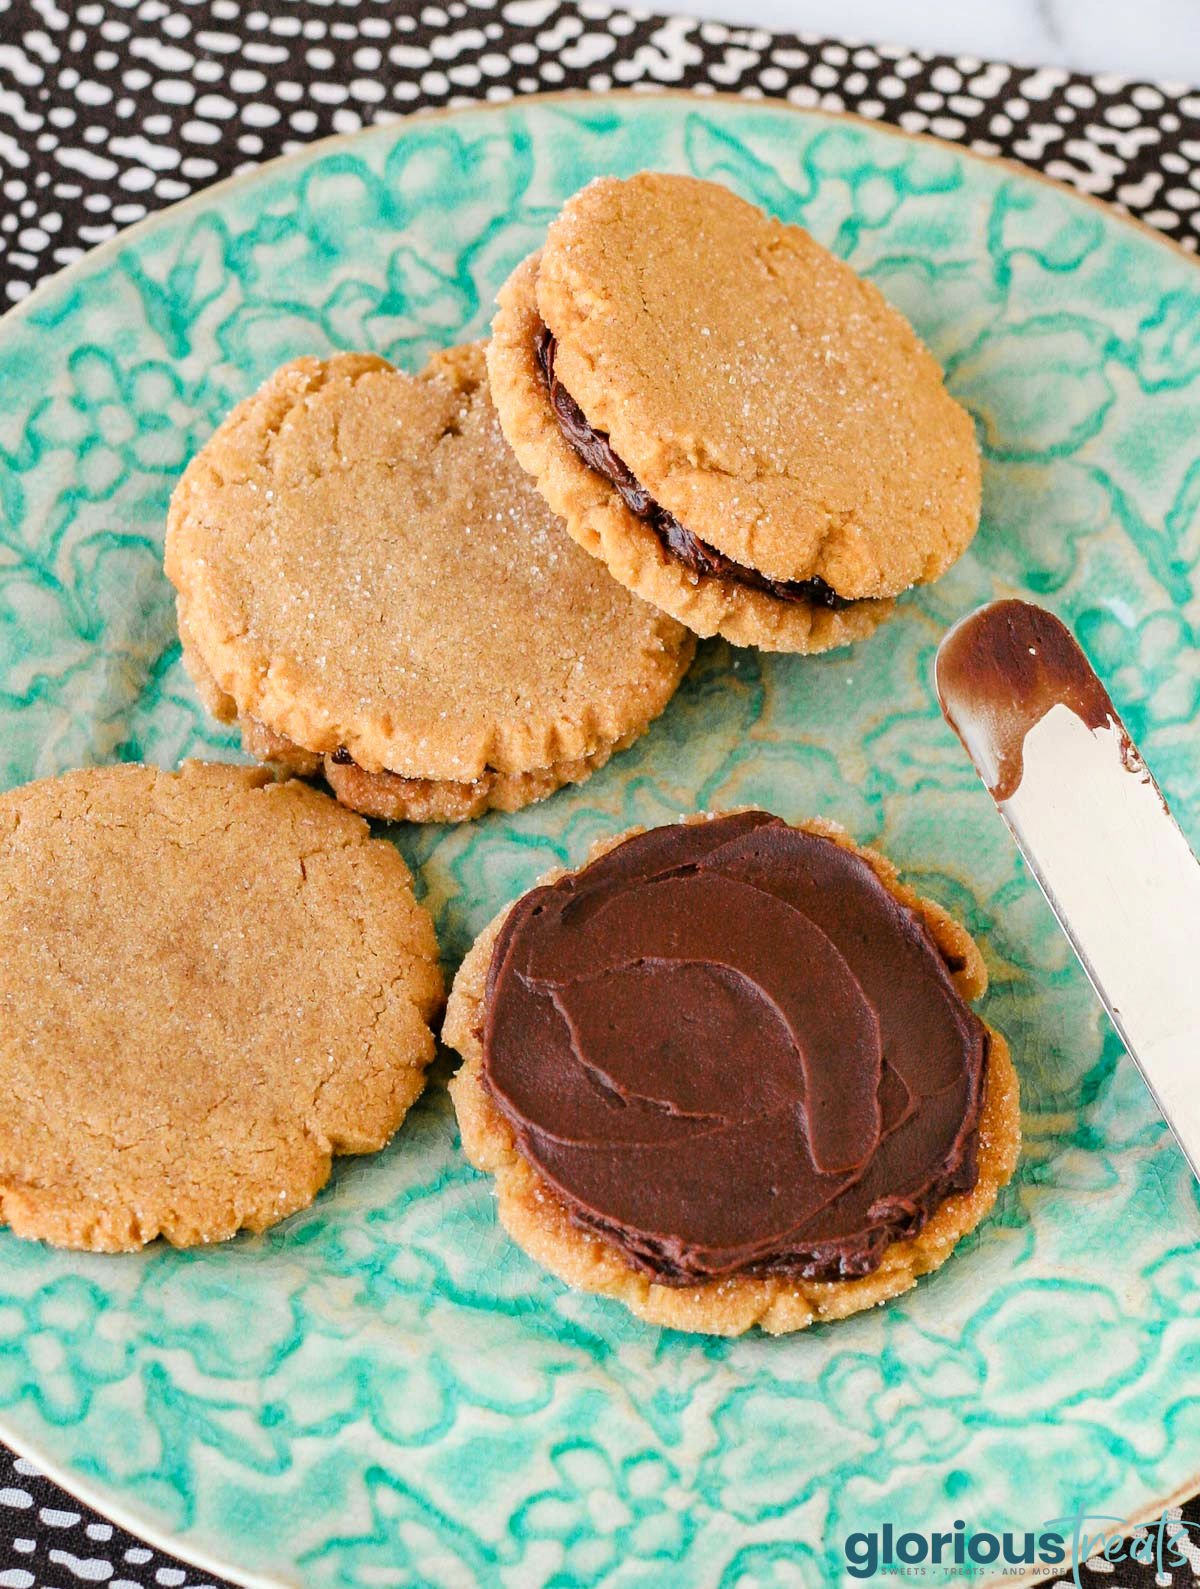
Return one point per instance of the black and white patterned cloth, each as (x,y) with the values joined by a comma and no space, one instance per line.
(110,109)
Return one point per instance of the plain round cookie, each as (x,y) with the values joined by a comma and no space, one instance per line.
(211,984)
(363,569)
(538,1220)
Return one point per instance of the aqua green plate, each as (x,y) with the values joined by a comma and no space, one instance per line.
(383,1390)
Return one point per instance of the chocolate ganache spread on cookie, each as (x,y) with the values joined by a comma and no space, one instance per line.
(594,447)
(730,1049)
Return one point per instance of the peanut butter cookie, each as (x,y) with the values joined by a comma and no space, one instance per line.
(211,984)
(738,425)
(728,1074)
(369,584)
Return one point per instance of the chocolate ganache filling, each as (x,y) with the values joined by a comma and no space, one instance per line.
(730,1050)
(594,447)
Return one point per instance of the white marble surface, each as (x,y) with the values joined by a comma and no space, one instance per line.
(1136,38)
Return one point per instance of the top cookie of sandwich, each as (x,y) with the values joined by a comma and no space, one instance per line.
(362,567)
(756,389)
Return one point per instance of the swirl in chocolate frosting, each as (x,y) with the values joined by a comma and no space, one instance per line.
(730,1049)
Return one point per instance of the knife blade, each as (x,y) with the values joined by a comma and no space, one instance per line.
(1095,830)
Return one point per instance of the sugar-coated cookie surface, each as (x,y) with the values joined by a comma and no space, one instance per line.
(211,984)
(363,568)
(760,391)
(543,1221)
(603,524)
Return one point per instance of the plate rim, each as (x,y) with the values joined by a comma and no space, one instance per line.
(78,1486)
(17,311)
(81,1489)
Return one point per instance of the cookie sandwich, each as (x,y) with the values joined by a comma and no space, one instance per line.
(211,984)
(371,587)
(728,1073)
(741,428)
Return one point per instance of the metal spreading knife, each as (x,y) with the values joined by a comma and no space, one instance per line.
(1095,830)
